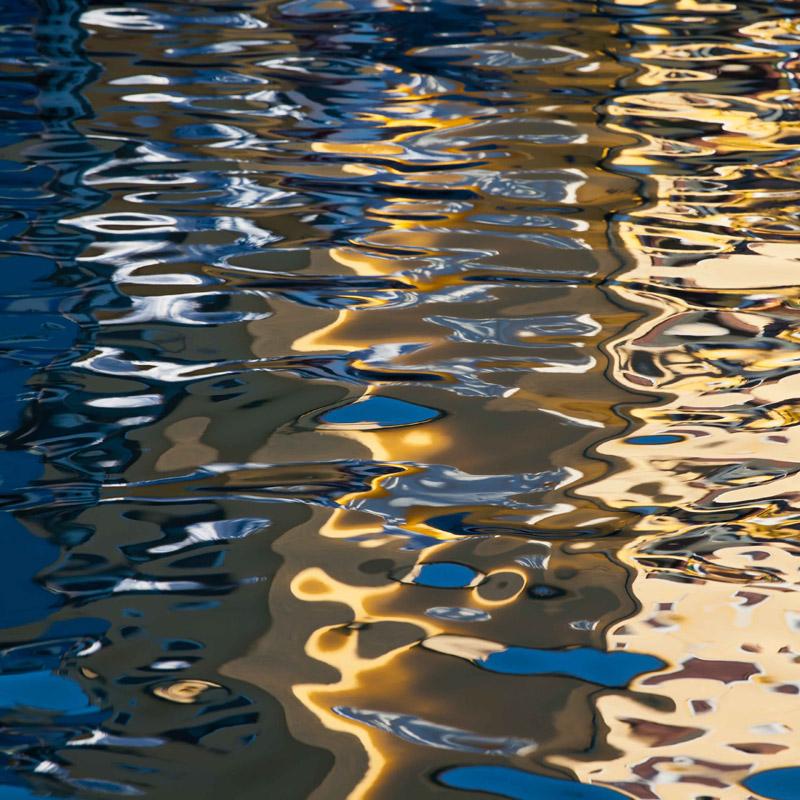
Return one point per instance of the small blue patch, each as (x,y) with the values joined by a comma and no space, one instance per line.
(664,438)
(17,792)
(777,784)
(518,785)
(23,599)
(44,691)
(615,669)
(379,412)
(445,575)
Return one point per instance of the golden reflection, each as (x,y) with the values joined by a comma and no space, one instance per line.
(339,649)
(184,692)
(730,680)
(713,467)
(690,454)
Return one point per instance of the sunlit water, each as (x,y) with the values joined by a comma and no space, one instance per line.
(400,400)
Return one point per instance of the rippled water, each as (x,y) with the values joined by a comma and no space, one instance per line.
(400,399)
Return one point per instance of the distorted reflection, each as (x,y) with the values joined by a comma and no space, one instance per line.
(400,399)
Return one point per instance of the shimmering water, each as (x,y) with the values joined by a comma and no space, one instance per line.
(400,399)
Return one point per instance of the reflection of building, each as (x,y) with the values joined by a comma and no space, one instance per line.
(260,593)
(721,710)
(712,468)
(482,307)
(246,276)
(387,661)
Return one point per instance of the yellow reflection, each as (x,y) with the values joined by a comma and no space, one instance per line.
(714,263)
(340,651)
(184,692)
(713,447)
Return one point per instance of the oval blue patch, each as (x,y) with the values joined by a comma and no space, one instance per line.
(379,412)
(665,438)
(444,575)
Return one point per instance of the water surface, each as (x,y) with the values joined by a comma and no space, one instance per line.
(400,399)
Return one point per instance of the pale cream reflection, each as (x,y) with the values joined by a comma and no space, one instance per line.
(713,468)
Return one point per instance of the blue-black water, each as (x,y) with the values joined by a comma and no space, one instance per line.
(399,399)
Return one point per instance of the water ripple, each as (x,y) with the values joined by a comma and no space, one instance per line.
(393,393)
